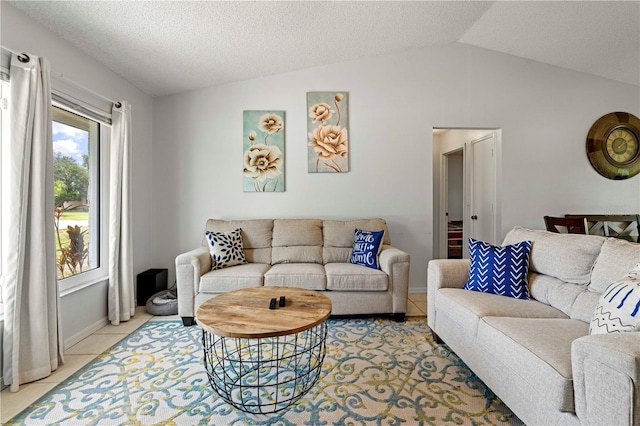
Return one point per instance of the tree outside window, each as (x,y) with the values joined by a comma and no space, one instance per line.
(75,189)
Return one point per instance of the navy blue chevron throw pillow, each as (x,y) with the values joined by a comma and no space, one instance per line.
(499,270)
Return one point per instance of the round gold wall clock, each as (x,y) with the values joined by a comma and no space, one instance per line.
(613,145)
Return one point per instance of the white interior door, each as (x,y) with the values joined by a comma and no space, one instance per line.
(483,189)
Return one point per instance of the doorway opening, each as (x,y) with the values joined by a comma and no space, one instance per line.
(466,190)
(453,191)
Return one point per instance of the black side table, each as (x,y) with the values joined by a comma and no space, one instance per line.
(149,283)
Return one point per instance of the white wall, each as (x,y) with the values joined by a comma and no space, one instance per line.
(545,113)
(88,307)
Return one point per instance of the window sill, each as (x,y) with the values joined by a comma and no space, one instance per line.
(80,286)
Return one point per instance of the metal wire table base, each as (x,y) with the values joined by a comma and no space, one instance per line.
(265,375)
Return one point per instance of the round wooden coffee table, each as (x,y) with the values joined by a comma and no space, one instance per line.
(262,360)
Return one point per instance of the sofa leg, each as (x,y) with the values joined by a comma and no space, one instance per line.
(436,338)
(187,321)
(399,316)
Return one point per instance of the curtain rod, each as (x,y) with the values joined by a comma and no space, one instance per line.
(86,89)
(23,57)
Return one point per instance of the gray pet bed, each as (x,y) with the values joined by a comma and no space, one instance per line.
(163,303)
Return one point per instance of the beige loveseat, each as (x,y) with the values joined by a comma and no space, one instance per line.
(305,253)
(537,355)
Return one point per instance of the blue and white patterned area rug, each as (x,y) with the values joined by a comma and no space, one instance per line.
(376,371)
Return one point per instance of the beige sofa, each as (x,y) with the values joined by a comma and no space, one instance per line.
(305,253)
(537,355)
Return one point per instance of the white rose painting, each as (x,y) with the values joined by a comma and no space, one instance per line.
(328,138)
(263,155)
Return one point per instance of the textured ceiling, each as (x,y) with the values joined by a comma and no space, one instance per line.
(168,47)
(599,37)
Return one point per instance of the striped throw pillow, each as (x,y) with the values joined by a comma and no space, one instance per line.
(618,308)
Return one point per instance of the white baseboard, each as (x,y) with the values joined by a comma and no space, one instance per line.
(417,290)
(72,340)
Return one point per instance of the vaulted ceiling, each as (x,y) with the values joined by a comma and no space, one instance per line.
(166,47)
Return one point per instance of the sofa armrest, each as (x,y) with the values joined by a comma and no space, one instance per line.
(190,266)
(444,273)
(606,378)
(395,263)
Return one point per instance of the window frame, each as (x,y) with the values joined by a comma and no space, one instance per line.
(101,273)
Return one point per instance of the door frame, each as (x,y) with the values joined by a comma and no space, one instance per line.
(444,197)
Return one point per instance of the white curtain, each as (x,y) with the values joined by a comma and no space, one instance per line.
(32,343)
(121,291)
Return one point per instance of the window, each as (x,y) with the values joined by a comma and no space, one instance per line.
(78,187)
(80,133)
(76,174)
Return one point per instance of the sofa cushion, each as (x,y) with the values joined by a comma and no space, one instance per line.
(296,254)
(366,248)
(297,240)
(256,236)
(226,249)
(538,351)
(499,270)
(569,257)
(584,306)
(619,306)
(617,258)
(233,278)
(336,254)
(309,276)
(297,232)
(338,237)
(468,307)
(350,277)
(555,292)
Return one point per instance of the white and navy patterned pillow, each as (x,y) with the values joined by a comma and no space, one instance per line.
(226,249)
(366,248)
(618,309)
(499,270)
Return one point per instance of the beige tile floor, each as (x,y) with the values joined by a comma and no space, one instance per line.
(86,350)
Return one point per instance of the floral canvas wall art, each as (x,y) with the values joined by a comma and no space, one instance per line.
(263,157)
(328,138)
